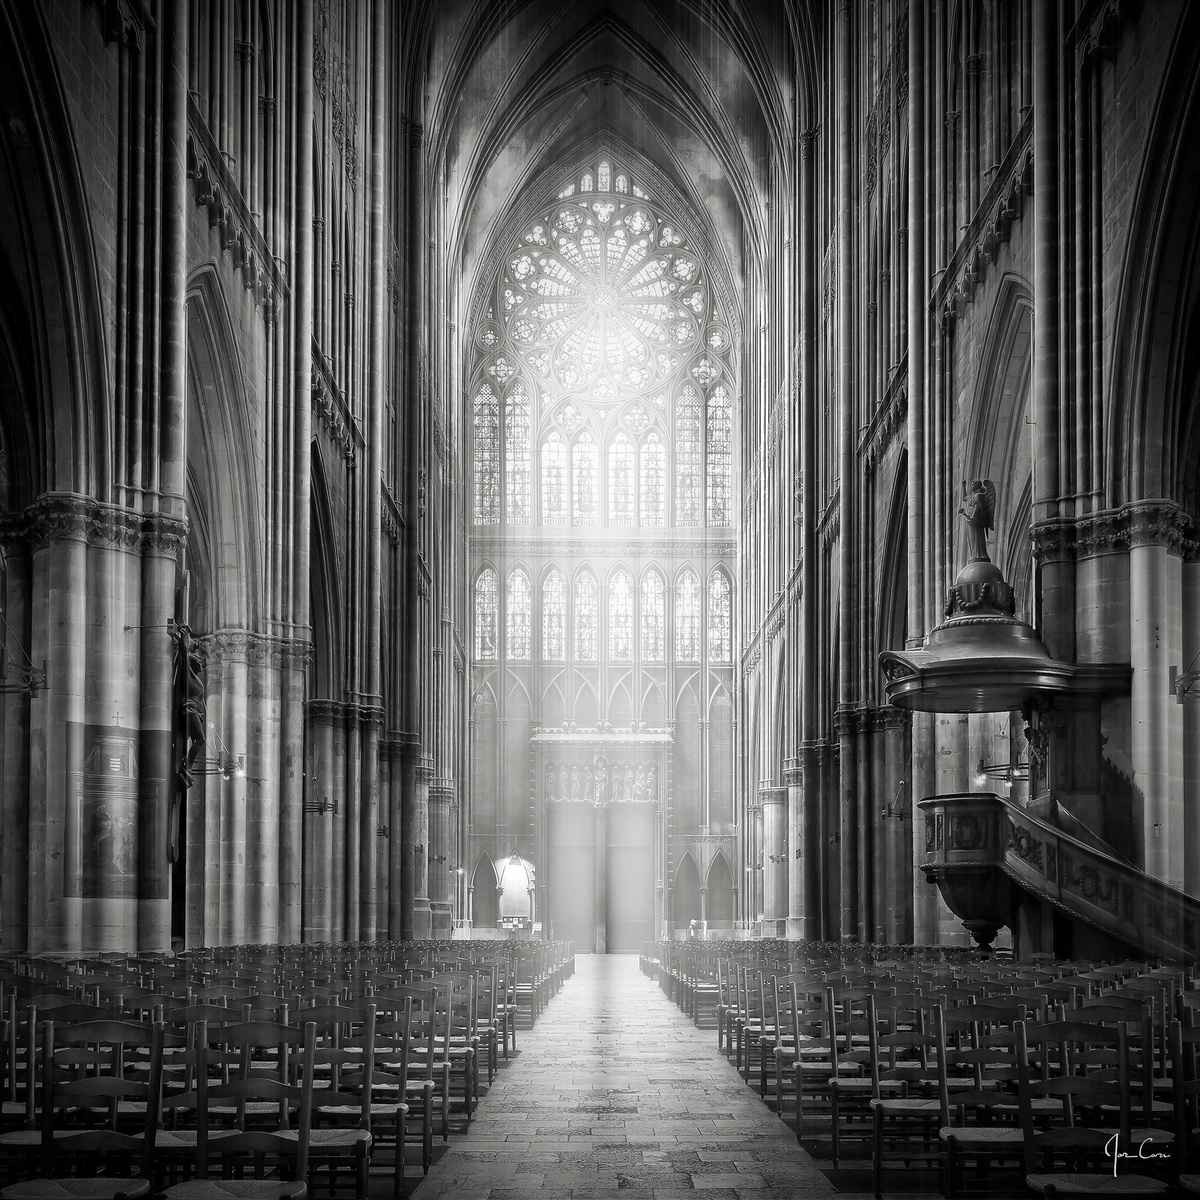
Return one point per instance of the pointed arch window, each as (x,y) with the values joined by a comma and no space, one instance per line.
(518,509)
(518,616)
(554,480)
(720,444)
(587,618)
(585,480)
(620,481)
(687,456)
(554,617)
(720,617)
(486,431)
(620,617)
(654,482)
(487,605)
(687,617)
(653,617)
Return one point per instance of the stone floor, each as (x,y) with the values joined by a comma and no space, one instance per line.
(617,1094)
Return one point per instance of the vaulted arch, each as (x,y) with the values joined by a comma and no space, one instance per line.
(222,499)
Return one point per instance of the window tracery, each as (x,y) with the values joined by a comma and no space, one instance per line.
(554,617)
(620,481)
(486,614)
(518,615)
(687,617)
(517,506)
(720,617)
(688,456)
(486,428)
(585,479)
(554,479)
(620,617)
(653,617)
(720,444)
(587,618)
(653,483)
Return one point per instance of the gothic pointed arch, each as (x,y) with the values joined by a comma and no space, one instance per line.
(51,324)
(1152,437)
(221,496)
(324,587)
(719,894)
(685,893)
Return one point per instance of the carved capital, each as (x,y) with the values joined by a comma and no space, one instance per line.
(1159,523)
(1053,541)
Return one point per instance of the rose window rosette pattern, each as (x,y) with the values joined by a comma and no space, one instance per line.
(603,298)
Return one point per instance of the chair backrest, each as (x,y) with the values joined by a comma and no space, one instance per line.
(1105,1096)
(85,1083)
(257,1146)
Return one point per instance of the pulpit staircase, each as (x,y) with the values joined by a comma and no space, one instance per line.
(988,855)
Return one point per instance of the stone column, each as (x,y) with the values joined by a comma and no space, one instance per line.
(416,848)
(1155,645)
(441,797)
(775,862)
(318,804)
(1190,660)
(15,714)
(56,803)
(162,542)
(399,769)
(793,778)
(262,788)
(600,877)
(293,665)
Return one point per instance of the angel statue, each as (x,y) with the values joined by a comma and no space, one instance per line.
(979,509)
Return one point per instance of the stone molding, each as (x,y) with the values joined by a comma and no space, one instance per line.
(64,517)
(347,712)
(1117,531)
(999,210)
(215,190)
(255,649)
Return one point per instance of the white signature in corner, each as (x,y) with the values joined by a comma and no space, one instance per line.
(1113,1151)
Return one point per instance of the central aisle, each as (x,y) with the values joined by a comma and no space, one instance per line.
(617,1094)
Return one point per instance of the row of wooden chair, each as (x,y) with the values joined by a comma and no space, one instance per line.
(1042,1068)
(194,1072)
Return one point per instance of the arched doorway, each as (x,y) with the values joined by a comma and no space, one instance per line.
(718,894)
(685,894)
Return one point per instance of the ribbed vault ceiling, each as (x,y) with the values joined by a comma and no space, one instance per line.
(705,93)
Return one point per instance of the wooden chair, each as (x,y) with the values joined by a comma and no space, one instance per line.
(342,1066)
(85,1112)
(278,1154)
(1056,1159)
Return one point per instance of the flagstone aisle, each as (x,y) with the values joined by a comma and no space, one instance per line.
(617,1094)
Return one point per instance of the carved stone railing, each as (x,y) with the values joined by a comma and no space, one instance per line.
(978,845)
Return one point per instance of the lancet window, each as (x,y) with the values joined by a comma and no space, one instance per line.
(487,614)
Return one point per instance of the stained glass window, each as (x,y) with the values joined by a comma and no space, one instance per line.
(720,617)
(654,482)
(608,302)
(487,457)
(620,617)
(587,636)
(554,480)
(518,616)
(687,617)
(517,507)
(720,430)
(585,479)
(486,614)
(554,617)
(620,481)
(687,456)
(653,617)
